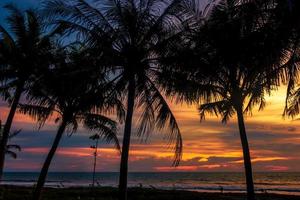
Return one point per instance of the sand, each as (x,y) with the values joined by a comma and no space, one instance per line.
(108,193)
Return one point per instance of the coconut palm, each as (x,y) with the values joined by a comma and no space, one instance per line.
(135,34)
(75,96)
(254,55)
(231,67)
(24,51)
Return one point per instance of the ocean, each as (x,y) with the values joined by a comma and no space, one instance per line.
(266,182)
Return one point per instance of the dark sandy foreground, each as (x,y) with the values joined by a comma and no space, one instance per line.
(24,193)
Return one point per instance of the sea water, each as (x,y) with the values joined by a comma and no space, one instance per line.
(265,182)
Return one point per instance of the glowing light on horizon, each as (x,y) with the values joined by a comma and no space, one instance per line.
(203,142)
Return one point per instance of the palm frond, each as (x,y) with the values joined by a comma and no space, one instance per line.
(105,127)
(14,134)
(8,40)
(147,118)
(293,107)
(14,146)
(168,17)
(33,23)
(5,93)
(16,22)
(96,15)
(290,76)
(11,154)
(257,97)
(38,113)
(165,118)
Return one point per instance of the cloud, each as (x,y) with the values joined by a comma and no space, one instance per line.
(208,146)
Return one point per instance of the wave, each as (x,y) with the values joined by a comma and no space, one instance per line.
(287,183)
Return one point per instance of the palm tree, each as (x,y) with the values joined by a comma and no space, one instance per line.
(11,147)
(287,27)
(76,96)
(291,68)
(133,35)
(24,51)
(228,67)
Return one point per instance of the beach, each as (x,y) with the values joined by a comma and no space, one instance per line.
(152,186)
(109,193)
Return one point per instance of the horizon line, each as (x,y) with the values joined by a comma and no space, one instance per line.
(155,172)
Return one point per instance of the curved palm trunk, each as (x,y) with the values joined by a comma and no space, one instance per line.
(126,142)
(246,154)
(7,127)
(44,171)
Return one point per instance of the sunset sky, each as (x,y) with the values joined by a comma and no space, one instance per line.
(208,146)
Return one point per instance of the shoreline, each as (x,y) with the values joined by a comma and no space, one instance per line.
(10,192)
(215,182)
(200,189)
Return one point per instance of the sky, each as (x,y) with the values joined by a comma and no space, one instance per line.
(208,146)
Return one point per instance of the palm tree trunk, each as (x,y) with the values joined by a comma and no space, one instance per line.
(44,171)
(126,142)
(7,127)
(246,154)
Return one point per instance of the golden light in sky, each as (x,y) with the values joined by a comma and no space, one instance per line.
(208,146)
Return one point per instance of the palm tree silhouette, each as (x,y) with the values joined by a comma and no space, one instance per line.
(287,27)
(291,67)
(24,52)
(229,68)
(76,96)
(133,35)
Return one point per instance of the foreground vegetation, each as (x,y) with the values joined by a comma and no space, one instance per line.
(107,193)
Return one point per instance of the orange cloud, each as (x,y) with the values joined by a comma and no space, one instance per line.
(265,159)
(179,168)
